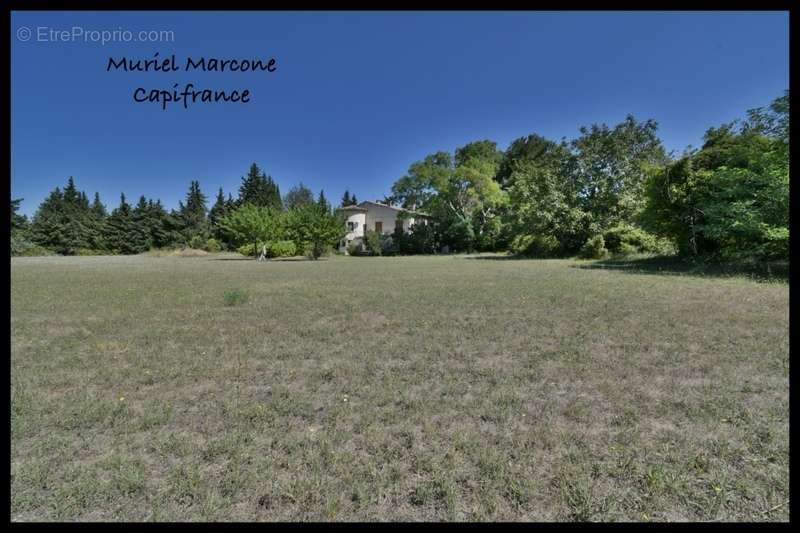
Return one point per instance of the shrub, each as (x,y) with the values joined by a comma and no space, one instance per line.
(625,239)
(24,248)
(234,297)
(247,250)
(213,246)
(281,249)
(535,245)
(197,242)
(373,243)
(594,248)
(355,247)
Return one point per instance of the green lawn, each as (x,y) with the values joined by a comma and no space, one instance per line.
(409,388)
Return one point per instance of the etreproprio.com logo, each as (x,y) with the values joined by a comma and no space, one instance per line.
(80,34)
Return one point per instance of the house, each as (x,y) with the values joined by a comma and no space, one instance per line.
(374,216)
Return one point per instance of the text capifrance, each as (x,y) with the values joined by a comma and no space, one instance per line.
(188,94)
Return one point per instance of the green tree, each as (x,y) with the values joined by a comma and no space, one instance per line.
(192,215)
(119,229)
(314,229)
(259,189)
(611,167)
(298,196)
(253,224)
(730,199)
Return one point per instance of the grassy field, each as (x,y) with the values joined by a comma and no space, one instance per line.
(410,388)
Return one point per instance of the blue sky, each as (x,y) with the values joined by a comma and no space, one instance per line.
(359,96)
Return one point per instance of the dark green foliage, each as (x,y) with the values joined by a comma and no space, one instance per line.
(420,239)
(730,199)
(191,217)
(64,222)
(347,199)
(259,189)
(541,246)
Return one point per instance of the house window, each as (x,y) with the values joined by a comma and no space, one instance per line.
(351,226)
(398,224)
(378,227)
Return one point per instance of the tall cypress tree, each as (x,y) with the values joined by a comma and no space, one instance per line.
(322,202)
(346,199)
(193,214)
(218,210)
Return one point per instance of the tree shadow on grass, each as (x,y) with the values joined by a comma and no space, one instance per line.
(677,266)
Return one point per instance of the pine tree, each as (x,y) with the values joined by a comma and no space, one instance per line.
(346,199)
(353,200)
(18,222)
(139,235)
(119,229)
(64,222)
(218,210)
(322,202)
(259,189)
(98,208)
(192,215)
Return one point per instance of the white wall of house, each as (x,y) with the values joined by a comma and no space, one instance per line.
(373,217)
(384,217)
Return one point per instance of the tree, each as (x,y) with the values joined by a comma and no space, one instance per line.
(730,199)
(314,229)
(220,208)
(298,196)
(98,209)
(259,189)
(346,200)
(18,222)
(322,202)
(119,229)
(63,222)
(192,215)
(611,167)
(253,224)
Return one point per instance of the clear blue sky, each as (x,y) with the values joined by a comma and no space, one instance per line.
(357,97)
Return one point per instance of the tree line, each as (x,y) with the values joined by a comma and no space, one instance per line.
(67,223)
(611,190)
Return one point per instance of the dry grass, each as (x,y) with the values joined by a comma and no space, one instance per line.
(420,388)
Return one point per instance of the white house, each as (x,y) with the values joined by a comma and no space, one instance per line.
(377,217)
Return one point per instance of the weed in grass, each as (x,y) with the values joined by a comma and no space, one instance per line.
(233,297)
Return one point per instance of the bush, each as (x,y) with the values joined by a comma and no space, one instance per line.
(373,243)
(625,239)
(594,248)
(234,297)
(535,245)
(248,250)
(355,247)
(24,248)
(197,242)
(213,246)
(281,249)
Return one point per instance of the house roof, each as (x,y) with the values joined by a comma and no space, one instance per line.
(353,208)
(393,207)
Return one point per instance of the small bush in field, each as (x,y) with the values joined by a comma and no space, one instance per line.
(625,239)
(282,249)
(535,245)
(235,297)
(197,242)
(213,246)
(594,248)
(247,250)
